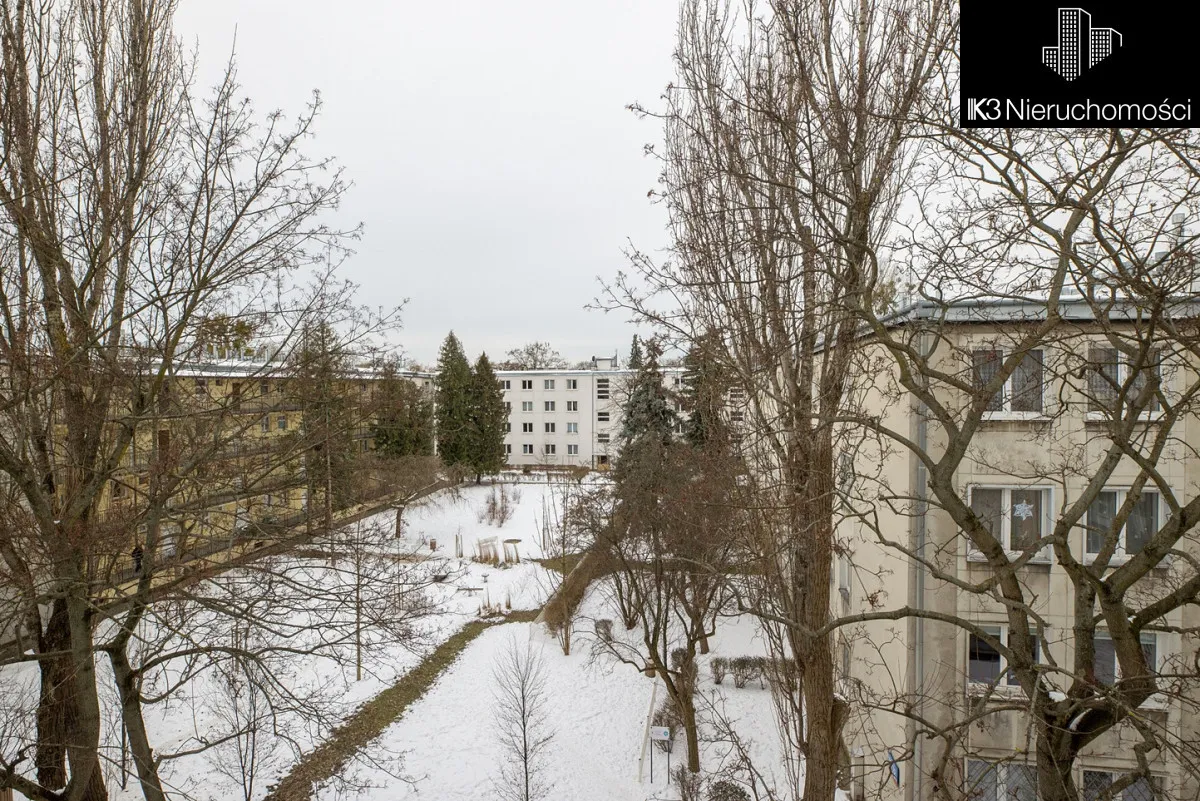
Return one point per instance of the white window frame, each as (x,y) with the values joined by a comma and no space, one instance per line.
(1094,415)
(548,384)
(602,438)
(527,449)
(548,428)
(602,417)
(572,450)
(526,428)
(572,428)
(572,383)
(505,383)
(1002,780)
(602,389)
(527,406)
(572,406)
(1006,412)
(508,407)
(1120,555)
(507,449)
(548,406)
(1113,776)
(1008,683)
(549,449)
(526,383)
(1043,555)
(1157,700)
(508,428)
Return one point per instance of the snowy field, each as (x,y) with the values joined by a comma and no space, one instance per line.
(597,710)
(197,713)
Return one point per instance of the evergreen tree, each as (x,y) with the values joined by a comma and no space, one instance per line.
(635,355)
(648,411)
(486,452)
(453,403)
(403,416)
(703,396)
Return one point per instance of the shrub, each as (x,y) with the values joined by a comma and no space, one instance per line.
(719,666)
(725,790)
(678,657)
(762,667)
(604,630)
(688,783)
(742,668)
(667,715)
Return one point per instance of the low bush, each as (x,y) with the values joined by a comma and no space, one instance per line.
(604,630)
(688,784)
(726,790)
(742,668)
(719,667)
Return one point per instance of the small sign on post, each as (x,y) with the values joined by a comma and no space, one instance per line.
(661,734)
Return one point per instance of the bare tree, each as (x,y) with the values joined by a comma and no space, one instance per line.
(533,356)
(522,723)
(787,146)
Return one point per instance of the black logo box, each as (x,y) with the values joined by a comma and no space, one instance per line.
(1001,60)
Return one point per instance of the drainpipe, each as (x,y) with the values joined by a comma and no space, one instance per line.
(921,478)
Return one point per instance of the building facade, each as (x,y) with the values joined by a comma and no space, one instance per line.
(1039,442)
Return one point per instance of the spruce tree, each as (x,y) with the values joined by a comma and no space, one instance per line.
(453,403)
(648,411)
(635,355)
(486,452)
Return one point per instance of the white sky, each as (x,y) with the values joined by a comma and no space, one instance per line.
(494,164)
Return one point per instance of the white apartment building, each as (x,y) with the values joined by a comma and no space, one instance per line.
(568,417)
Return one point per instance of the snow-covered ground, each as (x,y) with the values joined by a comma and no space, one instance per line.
(597,710)
(197,712)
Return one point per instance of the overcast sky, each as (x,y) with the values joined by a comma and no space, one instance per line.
(495,166)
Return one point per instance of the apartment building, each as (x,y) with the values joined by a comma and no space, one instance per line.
(568,417)
(1039,442)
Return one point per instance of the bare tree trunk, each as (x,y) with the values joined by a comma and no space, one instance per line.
(135,725)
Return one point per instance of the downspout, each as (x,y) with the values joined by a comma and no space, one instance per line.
(921,480)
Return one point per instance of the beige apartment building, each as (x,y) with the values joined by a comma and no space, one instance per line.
(1038,444)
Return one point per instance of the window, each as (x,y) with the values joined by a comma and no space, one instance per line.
(548,383)
(505,383)
(507,449)
(572,450)
(549,428)
(572,383)
(572,428)
(549,405)
(263,388)
(527,406)
(201,386)
(1016,517)
(602,438)
(676,381)
(984,660)
(1022,391)
(508,407)
(281,423)
(1141,524)
(508,428)
(572,406)
(602,460)
(1108,372)
(1001,781)
(736,417)
(1105,666)
(266,424)
(1097,782)
(527,383)
(548,449)
(527,448)
(601,417)
(736,395)
(602,388)
(526,428)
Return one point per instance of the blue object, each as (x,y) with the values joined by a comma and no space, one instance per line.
(894,766)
